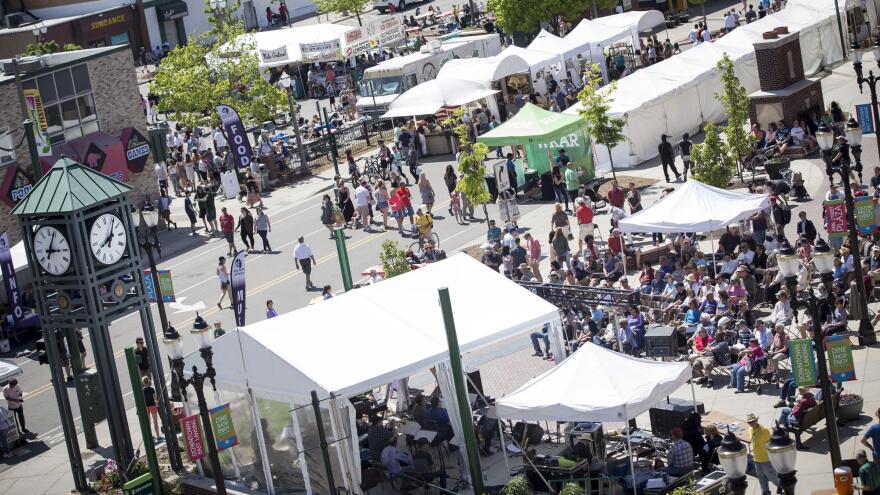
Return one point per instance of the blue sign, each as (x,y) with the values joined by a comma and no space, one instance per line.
(238,139)
(865,118)
(9,280)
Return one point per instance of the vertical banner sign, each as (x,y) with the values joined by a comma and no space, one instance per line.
(841,367)
(166,286)
(803,362)
(13,296)
(38,115)
(863,210)
(224,430)
(192,435)
(238,288)
(235,133)
(866,120)
(835,217)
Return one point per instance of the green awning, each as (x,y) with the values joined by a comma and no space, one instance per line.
(68,187)
(532,125)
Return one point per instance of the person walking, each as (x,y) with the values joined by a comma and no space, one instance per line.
(327,214)
(304,258)
(223,278)
(162,177)
(684,150)
(150,403)
(143,357)
(270,309)
(382,197)
(362,197)
(451,180)
(426,190)
(412,161)
(758,438)
(263,227)
(190,210)
(667,157)
(15,402)
(871,437)
(246,225)
(227,226)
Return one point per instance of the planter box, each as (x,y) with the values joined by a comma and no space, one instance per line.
(851,410)
(774,166)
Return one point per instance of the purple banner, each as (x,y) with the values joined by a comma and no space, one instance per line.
(9,280)
(235,133)
(238,287)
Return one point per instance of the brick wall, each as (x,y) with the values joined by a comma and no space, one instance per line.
(792,105)
(780,63)
(118,104)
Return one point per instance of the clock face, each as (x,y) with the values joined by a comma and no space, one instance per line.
(52,250)
(107,239)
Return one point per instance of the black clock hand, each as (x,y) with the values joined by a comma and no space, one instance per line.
(49,251)
(109,235)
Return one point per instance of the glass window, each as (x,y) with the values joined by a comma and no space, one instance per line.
(64,83)
(46,84)
(53,117)
(81,79)
(86,108)
(73,133)
(30,84)
(69,115)
(68,102)
(90,127)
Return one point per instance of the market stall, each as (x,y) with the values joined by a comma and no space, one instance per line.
(500,72)
(567,49)
(605,42)
(636,21)
(431,96)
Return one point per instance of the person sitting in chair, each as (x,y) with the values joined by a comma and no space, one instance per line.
(793,415)
(394,459)
(680,458)
(423,464)
(437,419)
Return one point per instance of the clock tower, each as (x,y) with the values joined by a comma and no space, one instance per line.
(86,264)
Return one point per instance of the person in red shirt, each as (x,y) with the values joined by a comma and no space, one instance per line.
(227,226)
(617,245)
(403,195)
(584,214)
(646,278)
(615,195)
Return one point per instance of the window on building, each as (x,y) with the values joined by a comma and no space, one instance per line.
(68,102)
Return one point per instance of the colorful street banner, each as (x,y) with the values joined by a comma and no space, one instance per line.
(865,118)
(841,367)
(37,114)
(866,217)
(238,289)
(192,437)
(237,136)
(375,34)
(13,296)
(165,285)
(803,362)
(835,218)
(224,430)
(325,51)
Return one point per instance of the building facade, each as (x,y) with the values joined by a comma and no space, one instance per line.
(90,108)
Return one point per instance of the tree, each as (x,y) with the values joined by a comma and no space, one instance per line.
(735,99)
(472,182)
(224,23)
(357,7)
(602,128)
(713,164)
(527,15)
(571,488)
(49,46)
(517,485)
(393,259)
(216,68)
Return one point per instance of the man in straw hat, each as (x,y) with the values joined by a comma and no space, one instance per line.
(758,438)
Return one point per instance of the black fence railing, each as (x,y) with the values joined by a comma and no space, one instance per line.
(330,148)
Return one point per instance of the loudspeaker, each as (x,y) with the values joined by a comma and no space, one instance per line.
(533,432)
(475,383)
(547,187)
(671,413)
(660,341)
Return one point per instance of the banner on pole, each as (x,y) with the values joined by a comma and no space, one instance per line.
(865,215)
(237,136)
(13,296)
(238,287)
(192,436)
(165,285)
(224,430)
(841,367)
(803,362)
(865,118)
(835,216)
(38,115)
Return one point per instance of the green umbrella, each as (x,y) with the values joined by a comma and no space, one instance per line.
(532,125)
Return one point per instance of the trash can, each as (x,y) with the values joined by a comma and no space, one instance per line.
(264,177)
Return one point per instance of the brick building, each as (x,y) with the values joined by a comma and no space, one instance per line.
(89,102)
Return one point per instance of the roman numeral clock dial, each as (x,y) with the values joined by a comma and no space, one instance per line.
(107,239)
(52,250)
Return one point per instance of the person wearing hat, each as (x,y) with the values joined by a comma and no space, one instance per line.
(491,258)
(869,474)
(758,439)
(525,272)
(842,156)
(791,416)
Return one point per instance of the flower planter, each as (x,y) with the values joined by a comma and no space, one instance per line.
(850,407)
(774,166)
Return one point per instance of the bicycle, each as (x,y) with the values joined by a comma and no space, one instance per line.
(419,244)
(372,167)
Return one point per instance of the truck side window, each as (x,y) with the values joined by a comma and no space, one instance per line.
(410,81)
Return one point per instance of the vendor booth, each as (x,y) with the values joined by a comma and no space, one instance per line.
(605,41)
(638,22)
(431,96)
(502,72)
(567,49)
(539,62)
(267,371)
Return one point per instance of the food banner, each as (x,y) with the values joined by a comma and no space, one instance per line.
(835,218)
(274,55)
(803,362)
(841,367)
(863,210)
(224,430)
(383,32)
(192,437)
(325,51)
(238,139)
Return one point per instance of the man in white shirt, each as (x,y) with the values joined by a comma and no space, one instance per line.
(707,35)
(162,176)
(362,204)
(693,34)
(219,140)
(375,278)
(746,255)
(304,258)
(730,21)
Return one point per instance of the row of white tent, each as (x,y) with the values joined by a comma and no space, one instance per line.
(677,95)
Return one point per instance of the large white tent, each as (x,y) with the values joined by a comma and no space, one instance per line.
(594,33)
(695,207)
(619,388)
(430,96)
(281,46)
(677,95)
(635,21)
(368,338)
(484,70)
(569,47)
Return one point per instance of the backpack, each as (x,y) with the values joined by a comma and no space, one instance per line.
(786,215)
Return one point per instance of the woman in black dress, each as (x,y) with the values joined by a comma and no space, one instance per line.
(190,212)
(346,205)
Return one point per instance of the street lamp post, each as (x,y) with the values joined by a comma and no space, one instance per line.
(783,457)
(148,240)
(823,260)
(789,266)
(826,141)
(39,30)
(871,80)
(201,332)
(734,459)
(218,6)
(287,84)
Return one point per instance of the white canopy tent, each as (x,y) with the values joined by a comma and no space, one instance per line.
(430,96)
(538,61)
(282,45)
(636,21)
(485,70)
(567,49)
(324,348)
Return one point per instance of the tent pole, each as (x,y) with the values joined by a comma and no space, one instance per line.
(322,439)
(632,467)
(712,245)
(261,442)
(694,396)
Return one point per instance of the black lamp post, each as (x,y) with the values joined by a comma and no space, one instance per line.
(148,240)
(856,57)
(789,265)
(734,459)
(823,260)
(842,168)
(783,456)
(201,333)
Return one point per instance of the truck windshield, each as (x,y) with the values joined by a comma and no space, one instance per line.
(382,86)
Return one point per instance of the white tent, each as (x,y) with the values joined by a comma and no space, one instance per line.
(695,207)
(429,97)
(619,388)
(281,46)
(483,70)
(536,59)
(567,49)
(636,21)
(595,33)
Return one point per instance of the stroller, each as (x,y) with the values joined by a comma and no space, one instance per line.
(798,190)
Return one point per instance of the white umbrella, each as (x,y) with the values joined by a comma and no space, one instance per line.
(430,96)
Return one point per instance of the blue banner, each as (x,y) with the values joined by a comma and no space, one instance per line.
(237,136)
(165,285)
(238,287)
(13,296)
(865,118)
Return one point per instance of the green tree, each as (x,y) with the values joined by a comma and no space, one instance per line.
(393,259)
(472,182)
(527,15)
(344,7)
(225,25)
(220,67)
(602,128)
(712,162)
(738,140)
(49,46)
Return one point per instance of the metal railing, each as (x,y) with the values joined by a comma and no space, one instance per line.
(330,148)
